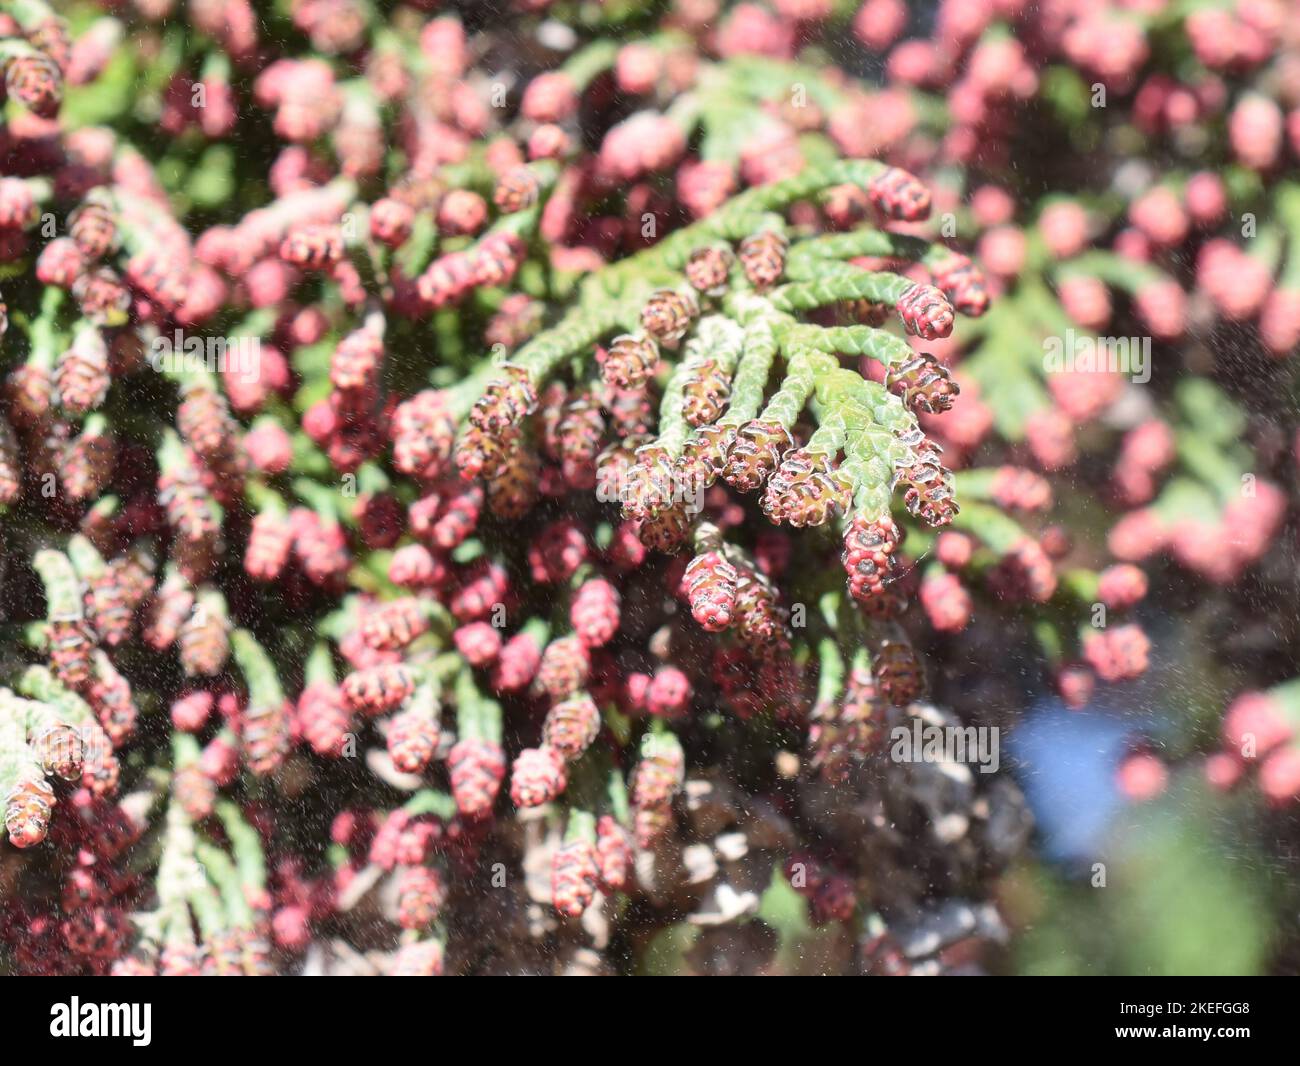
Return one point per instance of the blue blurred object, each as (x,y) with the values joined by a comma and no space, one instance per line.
(1065,761)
